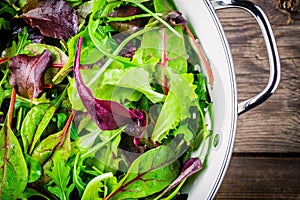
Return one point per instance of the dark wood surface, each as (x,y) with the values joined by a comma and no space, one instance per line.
(266,158)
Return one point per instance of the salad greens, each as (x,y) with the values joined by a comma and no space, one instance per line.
(100,99)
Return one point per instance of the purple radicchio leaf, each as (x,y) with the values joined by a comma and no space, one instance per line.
(54,18)
(175,18)
(27,73)
(190,167)
(108,115)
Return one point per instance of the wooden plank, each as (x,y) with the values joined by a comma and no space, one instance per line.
(261,178)
(274,125)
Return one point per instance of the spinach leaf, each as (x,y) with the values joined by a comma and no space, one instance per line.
(148,174)
(83,10)
(35,122)
(13,170)
(60,175)
(58,143)
(34,169)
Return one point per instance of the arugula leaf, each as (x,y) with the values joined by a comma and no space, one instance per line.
(18,48)
(5,8)
(60,175)
(90,52)
(4,24)
(110,7)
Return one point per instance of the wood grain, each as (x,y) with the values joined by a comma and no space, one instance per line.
(273,126)
(266,159)
(261,178)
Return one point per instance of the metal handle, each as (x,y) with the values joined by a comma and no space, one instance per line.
(274,61)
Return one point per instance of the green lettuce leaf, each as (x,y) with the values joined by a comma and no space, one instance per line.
(133,78)
(176,108)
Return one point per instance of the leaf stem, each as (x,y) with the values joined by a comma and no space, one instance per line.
(159,19)
(173,194)
(4,77)
(75,172)
(164,61)
(11,106)
(129,18)
(19,119)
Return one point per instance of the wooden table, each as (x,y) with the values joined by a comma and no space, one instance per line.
(266,157)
